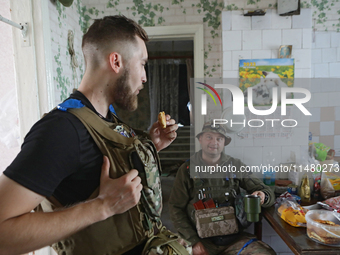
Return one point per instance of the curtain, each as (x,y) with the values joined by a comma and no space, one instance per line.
(163,77)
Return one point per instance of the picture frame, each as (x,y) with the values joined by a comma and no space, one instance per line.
(261,75)
(285,51)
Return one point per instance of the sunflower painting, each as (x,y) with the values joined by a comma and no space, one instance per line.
(262,75)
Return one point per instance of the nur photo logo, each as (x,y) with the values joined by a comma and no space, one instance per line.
(204,97)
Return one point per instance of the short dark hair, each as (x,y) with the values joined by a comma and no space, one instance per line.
(113,28)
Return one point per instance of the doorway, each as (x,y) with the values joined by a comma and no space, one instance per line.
(170,68)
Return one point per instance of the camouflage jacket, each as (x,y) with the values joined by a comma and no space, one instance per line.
(184,193)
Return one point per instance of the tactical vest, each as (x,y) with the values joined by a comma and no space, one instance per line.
(122,232)
(221,190)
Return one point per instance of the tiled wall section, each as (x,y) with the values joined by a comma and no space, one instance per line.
(325,106)
(261,37)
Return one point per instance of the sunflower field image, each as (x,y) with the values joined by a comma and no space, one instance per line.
(262,75)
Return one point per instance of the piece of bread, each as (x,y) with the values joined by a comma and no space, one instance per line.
(161,119)
(327,222)
(323,235)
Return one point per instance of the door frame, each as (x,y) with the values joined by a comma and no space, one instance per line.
(191,32)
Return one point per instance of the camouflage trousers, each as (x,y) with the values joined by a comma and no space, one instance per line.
(257,247)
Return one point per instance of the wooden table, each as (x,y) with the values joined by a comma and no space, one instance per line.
(296,238)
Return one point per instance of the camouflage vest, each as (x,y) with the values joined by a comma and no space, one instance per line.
(119,233)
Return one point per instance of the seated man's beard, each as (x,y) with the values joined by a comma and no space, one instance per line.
(124,97)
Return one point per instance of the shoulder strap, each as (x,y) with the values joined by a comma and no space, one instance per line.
(89,118)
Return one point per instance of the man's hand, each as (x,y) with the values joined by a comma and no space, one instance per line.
(163,137)
(198,249)
(119,195)
(260,194)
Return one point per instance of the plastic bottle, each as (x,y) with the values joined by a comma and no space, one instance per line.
(268,171)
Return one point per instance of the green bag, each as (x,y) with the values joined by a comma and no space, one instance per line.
(166,243)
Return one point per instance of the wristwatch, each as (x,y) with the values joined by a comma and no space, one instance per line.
(266,197)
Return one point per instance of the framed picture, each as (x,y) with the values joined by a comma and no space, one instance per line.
(262,75)
(285,51)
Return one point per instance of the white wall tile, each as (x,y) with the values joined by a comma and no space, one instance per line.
(252,40)
(327,128)
(230,74)
(302,58)
(253,156)
(315,114)
(335,39)
(275,53)
(232,40)
(319,100)
(271,39)
(307,38)
(313,70)
(261,22)
(292,37)
(304,20)
(240,22)
(316,85)
(240,142)
(300,135)
(322,40)
(333,99)
(315,139)
(321,70)
(303,73)
(237,55)
(236,152)
(329,55)
(227,61)
(334,69)
(337,113)
(330,85)
(275,151)
(337,142)
(287,151)
(316,56)
(226,20)
(263,142)
(261,54)
(280,22)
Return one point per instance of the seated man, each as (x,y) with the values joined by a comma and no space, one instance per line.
(187,190)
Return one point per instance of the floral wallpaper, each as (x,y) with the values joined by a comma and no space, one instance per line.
(78,17)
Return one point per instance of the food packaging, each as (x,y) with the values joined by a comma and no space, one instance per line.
(323,227)
(291,212)
(330,184)
(304,189)
(332,204)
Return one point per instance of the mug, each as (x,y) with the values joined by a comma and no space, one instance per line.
(252,207)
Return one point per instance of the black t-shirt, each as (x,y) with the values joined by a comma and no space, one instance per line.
(59,158)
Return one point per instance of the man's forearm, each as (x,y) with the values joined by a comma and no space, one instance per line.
(33,231)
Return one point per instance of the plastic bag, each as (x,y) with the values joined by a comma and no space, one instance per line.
(291,212)
(321,151)
(331,204)
(330,184)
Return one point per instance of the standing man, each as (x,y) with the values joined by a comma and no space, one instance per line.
(61,160)
(186,191)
